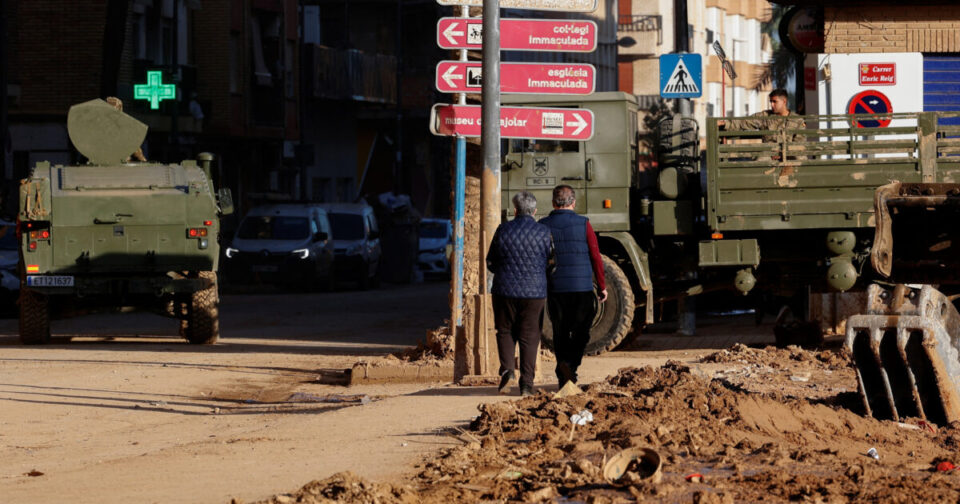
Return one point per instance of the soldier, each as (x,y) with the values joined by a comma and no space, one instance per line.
(778,109)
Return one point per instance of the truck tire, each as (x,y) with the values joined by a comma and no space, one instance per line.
(614,318)
(34,318)
(202,323)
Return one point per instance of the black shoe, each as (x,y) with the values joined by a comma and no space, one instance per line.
(527,391)
(564,374)
(505,380)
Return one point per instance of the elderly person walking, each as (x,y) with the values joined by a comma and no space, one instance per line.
(572,303)
(519,255)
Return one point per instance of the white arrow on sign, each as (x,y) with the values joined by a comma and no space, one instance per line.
(579,124)
(449,33)
(449,76)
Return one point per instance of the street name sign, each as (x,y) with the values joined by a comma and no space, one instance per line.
(554,5)
(681,75)
(515,122)
(518,78)
(547,35)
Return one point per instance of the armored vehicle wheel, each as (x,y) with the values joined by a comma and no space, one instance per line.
(202,323)
(34,318)
(614,317)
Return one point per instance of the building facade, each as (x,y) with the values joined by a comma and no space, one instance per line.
(648,28)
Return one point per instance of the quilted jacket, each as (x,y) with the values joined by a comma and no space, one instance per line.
(519,256)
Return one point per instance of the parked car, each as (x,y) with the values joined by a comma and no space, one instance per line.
(435,236)
(356,241)
(283,243)
(9,256)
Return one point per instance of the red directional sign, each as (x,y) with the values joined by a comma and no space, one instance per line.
(518,78)
(520,34)
(515,122)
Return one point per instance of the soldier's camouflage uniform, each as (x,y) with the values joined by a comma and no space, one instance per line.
(767,120)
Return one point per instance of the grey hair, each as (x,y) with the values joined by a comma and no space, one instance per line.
(563,195)
(525,203)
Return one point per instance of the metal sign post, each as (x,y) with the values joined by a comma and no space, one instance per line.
(460,175)
(490,178)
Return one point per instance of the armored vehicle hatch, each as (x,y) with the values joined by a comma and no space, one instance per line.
(105,135)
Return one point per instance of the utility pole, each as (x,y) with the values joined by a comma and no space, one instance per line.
(686,306)
(489,187)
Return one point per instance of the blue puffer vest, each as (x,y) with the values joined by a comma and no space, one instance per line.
(574,272)
(518,259)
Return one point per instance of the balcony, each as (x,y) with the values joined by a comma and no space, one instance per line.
(349,74)
(639,34)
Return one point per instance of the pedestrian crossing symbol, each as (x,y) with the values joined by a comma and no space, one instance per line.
(681,76)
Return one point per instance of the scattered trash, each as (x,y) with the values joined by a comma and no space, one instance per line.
(582,418)
(511,475)
(927,425)
(403,444)
(250,401)
(801,377)
(33,473)
(332,398)
(945,466)
(907,426)
(633,465)
(568,389)
(872,452)
(159,404)
(694,478)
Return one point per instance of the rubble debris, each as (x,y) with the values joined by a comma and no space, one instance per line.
(747,445)
(438,345)
(299,397)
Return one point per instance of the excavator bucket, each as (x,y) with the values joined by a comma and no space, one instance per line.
(915,233)
(906,349)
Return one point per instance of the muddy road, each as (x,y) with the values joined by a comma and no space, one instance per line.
(124,411)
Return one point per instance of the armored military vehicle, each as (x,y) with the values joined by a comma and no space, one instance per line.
(782,210)
(112,235)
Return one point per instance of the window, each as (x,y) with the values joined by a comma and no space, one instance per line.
(347,226)
(273,228)
(518,145)
(709,36)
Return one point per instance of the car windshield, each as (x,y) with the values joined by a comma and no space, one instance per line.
(433,230)
(274,228)
(8,238)
(346,226)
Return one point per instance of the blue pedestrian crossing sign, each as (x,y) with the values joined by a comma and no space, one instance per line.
(681,75)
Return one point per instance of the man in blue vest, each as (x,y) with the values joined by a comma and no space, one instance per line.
(572,303)
(519,255)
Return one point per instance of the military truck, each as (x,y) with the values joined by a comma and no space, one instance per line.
(765,214)
(115,235)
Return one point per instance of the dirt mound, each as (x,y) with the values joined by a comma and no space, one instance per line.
(717,440)
(777,357)
(790,372)
(745,447)
(438,345)
(347,487)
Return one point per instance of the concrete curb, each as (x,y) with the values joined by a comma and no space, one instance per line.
(364,373)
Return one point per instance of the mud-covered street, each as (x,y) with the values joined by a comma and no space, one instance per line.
(127,412)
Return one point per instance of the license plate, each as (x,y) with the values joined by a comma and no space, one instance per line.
(268,268)
(50,281)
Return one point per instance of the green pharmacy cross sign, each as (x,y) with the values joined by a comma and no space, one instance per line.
(154,90)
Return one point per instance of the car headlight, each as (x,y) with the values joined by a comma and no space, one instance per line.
(354,249)
(231,252)
(301,253)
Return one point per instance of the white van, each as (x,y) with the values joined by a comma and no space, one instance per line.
(356,239)
(285,243)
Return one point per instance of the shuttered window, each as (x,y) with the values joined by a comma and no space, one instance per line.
(941,85)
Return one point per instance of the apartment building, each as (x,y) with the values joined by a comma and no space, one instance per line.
(647,29)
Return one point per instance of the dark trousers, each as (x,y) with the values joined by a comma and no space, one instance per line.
(571,314)
(518,321)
